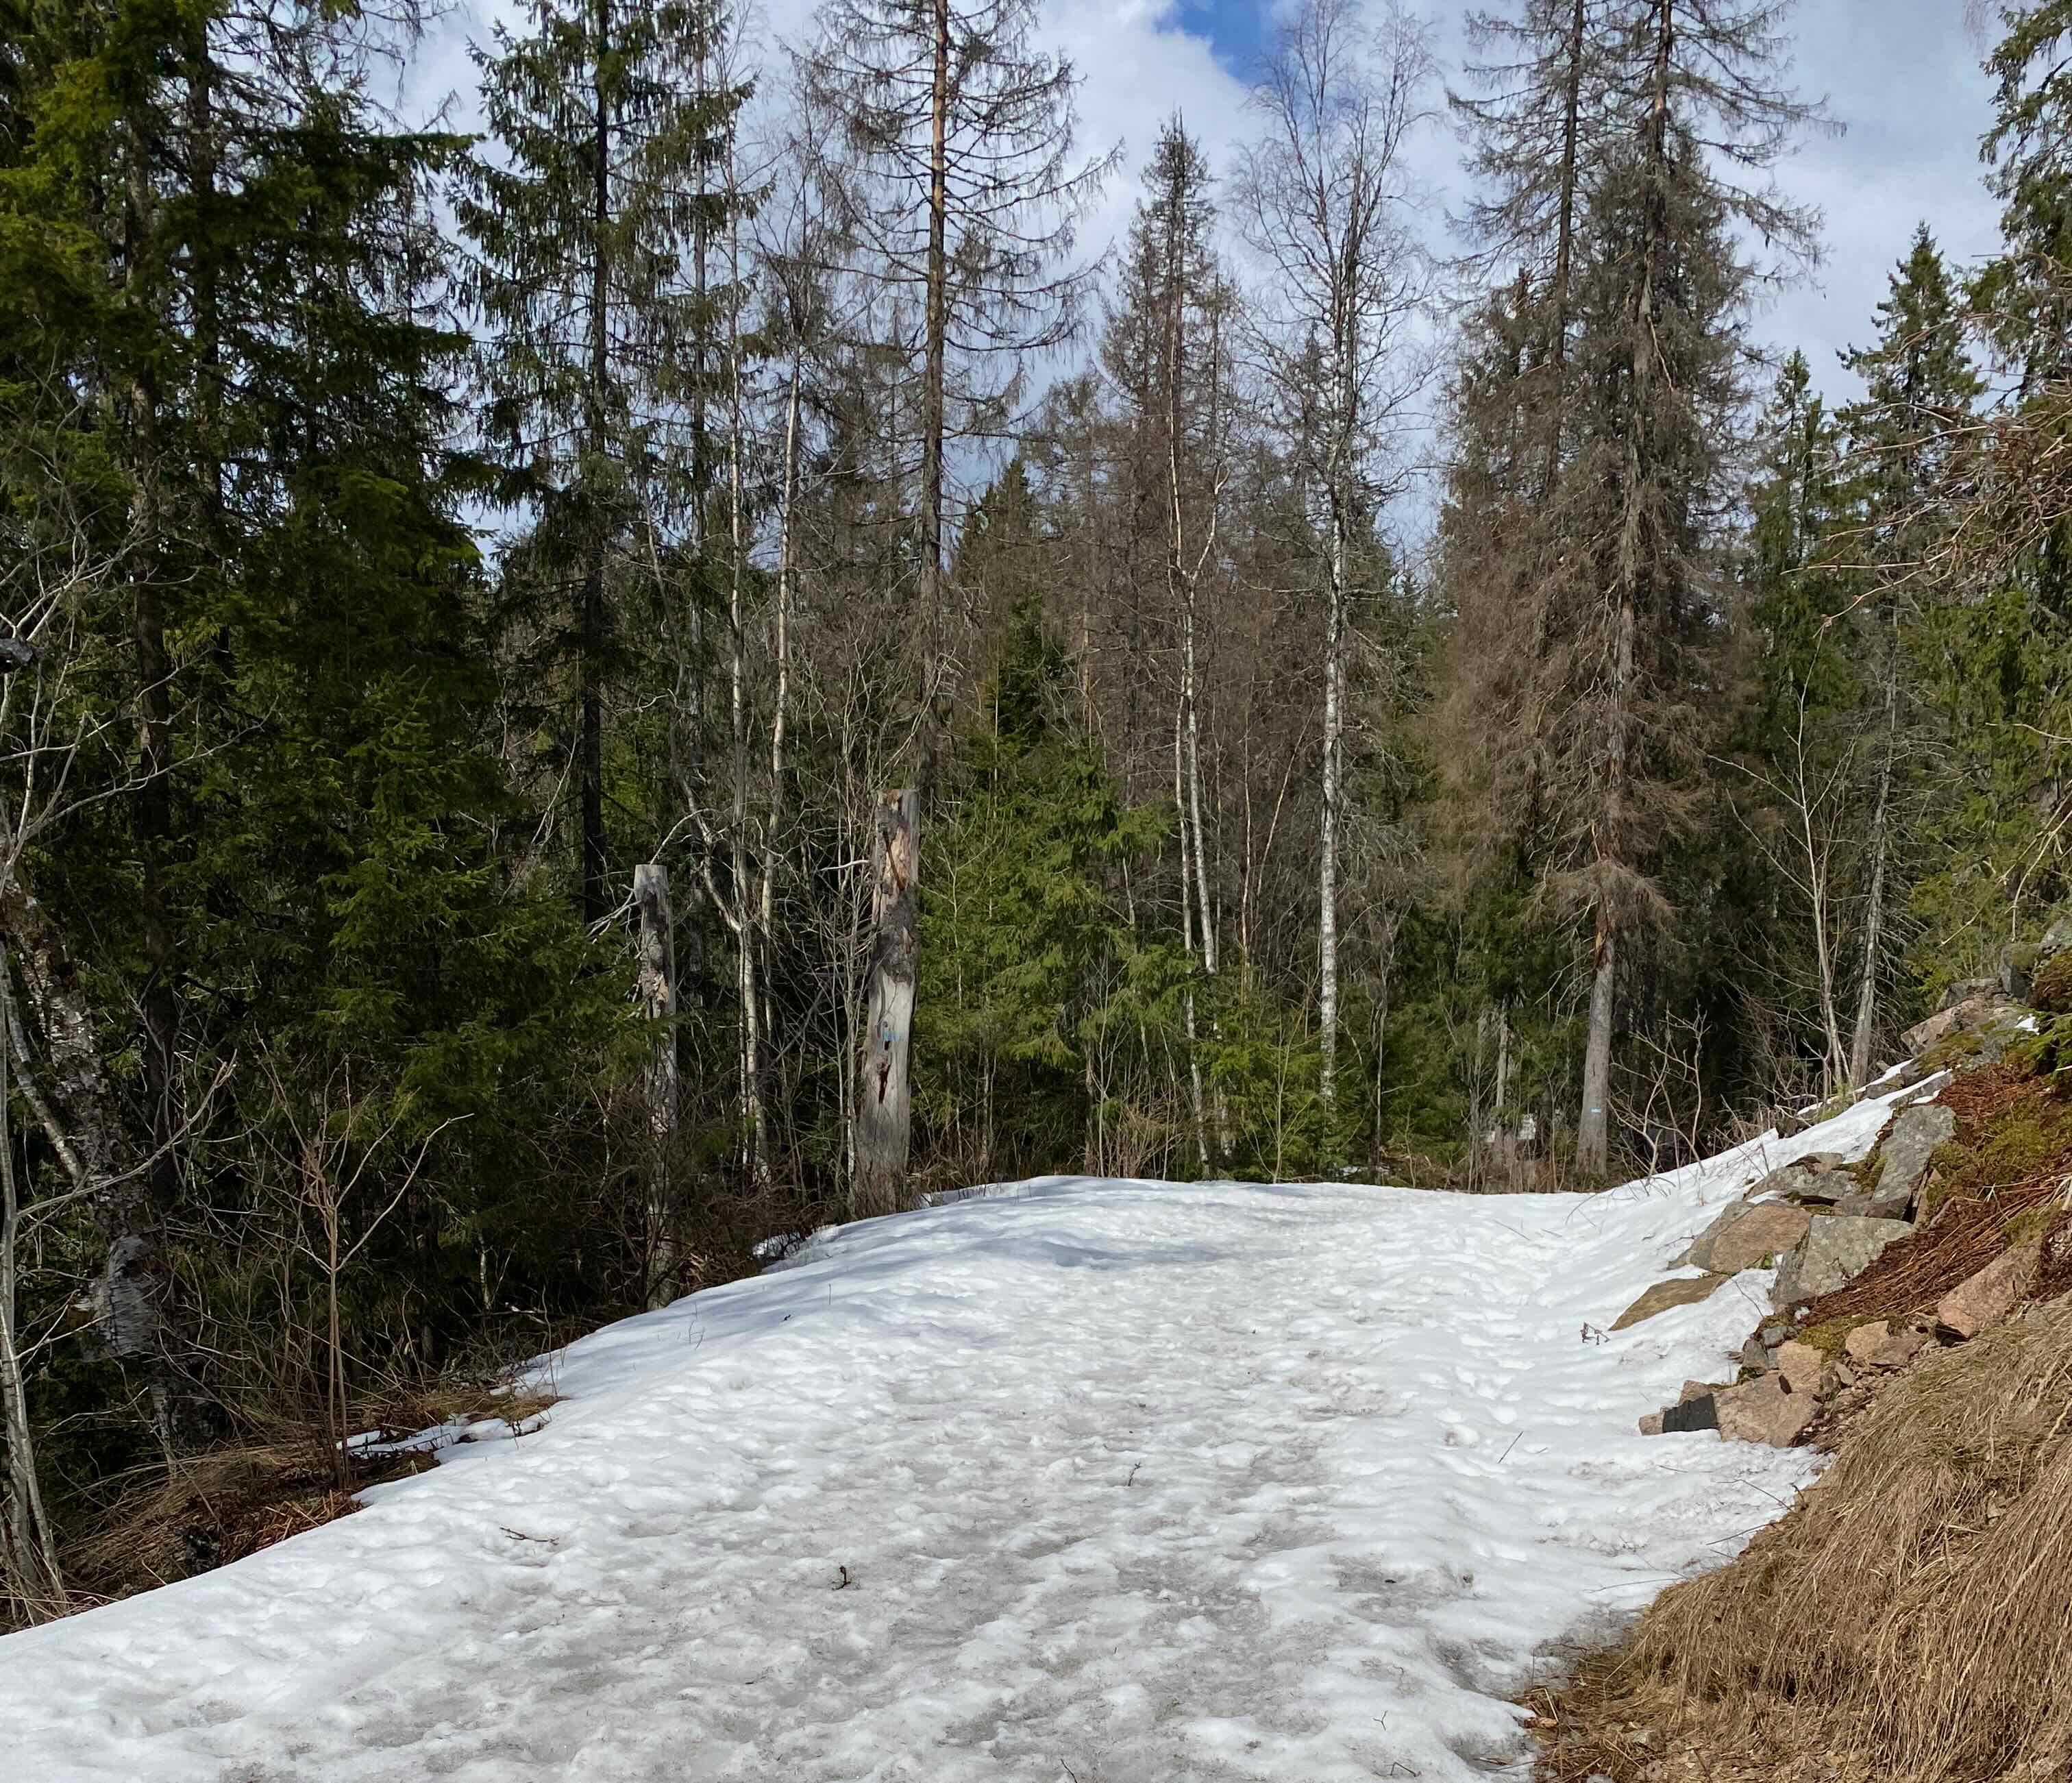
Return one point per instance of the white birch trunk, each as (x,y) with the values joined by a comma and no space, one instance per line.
(1327,850)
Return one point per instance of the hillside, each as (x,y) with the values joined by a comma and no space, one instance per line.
(1083,1479)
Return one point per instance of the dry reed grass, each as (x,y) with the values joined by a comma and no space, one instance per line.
(1910,1621)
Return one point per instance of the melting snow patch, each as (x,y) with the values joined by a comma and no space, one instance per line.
(1122,1482)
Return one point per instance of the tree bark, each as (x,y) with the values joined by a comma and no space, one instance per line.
(754,1146)
(81,1119)
(884,1116)
(1327,850)
(656,992)
(1866,1025)
(152,804)
(590,769)
(28,1543)
(1593,1127)
(933,422)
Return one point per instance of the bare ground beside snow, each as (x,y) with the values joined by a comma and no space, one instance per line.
(1128,1483)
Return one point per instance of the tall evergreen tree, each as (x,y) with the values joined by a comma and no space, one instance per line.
(582,221)
(1662,309)
(1921,390)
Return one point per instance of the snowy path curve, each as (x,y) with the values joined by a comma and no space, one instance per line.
(1131,1483)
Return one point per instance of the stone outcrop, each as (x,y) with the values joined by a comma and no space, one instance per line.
(1687,1291)
(1834,1251)
(1976,1006)
(1989,1296)
(1903,1160)
(1748,1235)
(1765,1411)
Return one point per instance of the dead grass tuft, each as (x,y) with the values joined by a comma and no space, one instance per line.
(213,1508)
(1909,1619)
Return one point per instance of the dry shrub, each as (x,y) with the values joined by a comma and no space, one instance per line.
(1909,1619)
(208,1510)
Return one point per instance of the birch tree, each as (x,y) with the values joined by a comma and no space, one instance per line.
(1324,200)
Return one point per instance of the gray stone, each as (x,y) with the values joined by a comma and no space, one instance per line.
(1765,1411)
(2056,938)
(1800,1182)
(1745,1234)
(1903,1160)
(1688,1291)
(1833,1253)
(1974,1005)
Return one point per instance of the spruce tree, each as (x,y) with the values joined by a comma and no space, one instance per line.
(583,221)
(1661,308)
(1921,390)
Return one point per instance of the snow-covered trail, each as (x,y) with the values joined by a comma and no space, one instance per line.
(1130,1483)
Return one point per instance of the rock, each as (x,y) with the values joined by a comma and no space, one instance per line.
(1903,1159)
(1973,1005)
(1651,1423)
(1833,1253)
(1754,1356)
(1765,1411)
(1993,1293)
(1745,1234)
(1877,1346)
(1804,1368)
(1702,1413)
(2056,938)
(1686,1291)
(1802,1181)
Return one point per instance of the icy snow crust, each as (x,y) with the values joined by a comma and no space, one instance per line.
(1132,1482)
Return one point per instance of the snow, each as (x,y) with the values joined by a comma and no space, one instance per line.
(1080,1480)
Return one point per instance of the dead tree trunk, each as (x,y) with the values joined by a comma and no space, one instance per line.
(884,1112)
(29,1566)
(657,994)
(76,1108)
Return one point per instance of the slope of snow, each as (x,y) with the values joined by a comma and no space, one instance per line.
(1128,1482)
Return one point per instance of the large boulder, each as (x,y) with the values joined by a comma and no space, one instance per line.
(1903,1159)
(1746,1236)
(1685,1291)
(1765,1411)
(1989,1296)
(1834,1252)
(1976,1005)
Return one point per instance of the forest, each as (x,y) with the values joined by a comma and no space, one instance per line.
(578,701)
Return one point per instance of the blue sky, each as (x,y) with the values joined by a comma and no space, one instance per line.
(1901,77)
(1236,30)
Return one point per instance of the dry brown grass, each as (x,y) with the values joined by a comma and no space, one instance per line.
(2010,1158)
(1910,1621)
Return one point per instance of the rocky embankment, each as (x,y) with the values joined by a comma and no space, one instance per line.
(1916,1248)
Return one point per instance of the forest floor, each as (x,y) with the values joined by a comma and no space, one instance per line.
(1074,1482)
